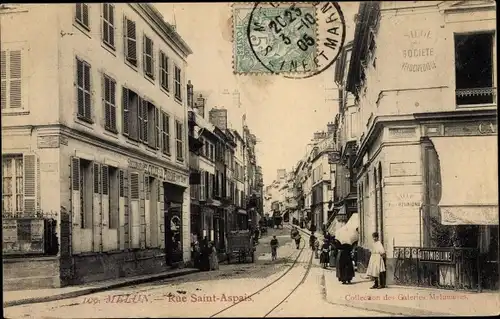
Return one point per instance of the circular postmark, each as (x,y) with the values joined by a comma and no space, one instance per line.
(297,40)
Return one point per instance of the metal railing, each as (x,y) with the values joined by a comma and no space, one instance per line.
(472,96)
(455,268)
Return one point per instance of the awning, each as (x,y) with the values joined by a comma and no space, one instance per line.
(334,226)
(469,185)
(242,211)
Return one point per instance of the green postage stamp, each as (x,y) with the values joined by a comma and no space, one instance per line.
(273,38)
(296,40)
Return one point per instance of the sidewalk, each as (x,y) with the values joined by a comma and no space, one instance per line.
(22,297)
(408,301)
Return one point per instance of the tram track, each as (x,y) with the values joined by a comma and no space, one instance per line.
(273,284)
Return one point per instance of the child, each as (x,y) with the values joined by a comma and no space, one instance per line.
(376,265)
(274,248)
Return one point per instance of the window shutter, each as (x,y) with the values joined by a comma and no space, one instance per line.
(75,191)
(111,20)
(126,112)
(105,99)
(121,183)
(144,55)
(104,24)
(3,70)
(134,186)
(87,86)
(96,179)
(30,183)
(157,126)
(80,85)
(146,187)
(15,78)
(145,117)
(85,15)
(112,96)
(105,179)
(130,41)
(140,126)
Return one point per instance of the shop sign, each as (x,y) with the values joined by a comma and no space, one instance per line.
(9,230)
(333,157)
(435,256)
(164,174)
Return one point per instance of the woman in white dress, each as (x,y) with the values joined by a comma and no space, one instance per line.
(376,265)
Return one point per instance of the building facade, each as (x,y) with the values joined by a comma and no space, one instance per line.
(109,162)
(426,162)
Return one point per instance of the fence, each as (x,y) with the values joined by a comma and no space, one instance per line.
(446,268)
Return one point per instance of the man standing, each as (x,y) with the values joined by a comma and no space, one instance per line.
(274,248)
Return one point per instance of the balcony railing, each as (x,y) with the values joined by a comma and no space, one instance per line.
(474,96)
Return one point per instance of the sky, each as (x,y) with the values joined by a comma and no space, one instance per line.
(282,113)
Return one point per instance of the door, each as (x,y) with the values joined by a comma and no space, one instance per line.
(173,233)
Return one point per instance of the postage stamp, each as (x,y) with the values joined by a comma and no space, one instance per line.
(296,40)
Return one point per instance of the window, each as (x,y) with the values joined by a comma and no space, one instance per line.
(177,79)
(11,70)
(165,133)
(129,32)
(12,184)
(474,65)
(164,71)
(203,190)
(153,126)
(108,25)
(109,100)
(179,141)
(82,15)
(83,86)
(130,112)
(143,121)
(148,59)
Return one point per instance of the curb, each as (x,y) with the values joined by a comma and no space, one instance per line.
(88,291)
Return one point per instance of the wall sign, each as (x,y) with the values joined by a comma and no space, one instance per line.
(403,132)
(471,128)
(403,169)
(402,200)
(431,255)
(164,174)
(418,54)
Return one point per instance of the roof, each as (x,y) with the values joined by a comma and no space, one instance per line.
(167,29)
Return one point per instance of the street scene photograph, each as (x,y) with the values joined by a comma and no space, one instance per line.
(249,159)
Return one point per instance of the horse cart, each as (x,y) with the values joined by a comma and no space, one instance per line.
(240,246)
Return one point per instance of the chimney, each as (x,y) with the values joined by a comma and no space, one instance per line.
(331,127)
(199,105)
(218,117)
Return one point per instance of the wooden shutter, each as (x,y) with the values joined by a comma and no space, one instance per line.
(145,118)
(121,183)
(112,96)
(157,128)
(3,70)
(130,41)
(79,86)
(75,192)
(126,112)
(134,186)
(105,197)
(140,127)
(96,179)
(30,183)
(15,76)
(145,55)
(85,15)
(87,95)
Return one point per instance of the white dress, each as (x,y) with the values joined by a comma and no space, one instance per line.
(376,264)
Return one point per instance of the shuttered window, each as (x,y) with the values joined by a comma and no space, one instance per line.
(12,184)
(121,184)
(109,101)
(178,86)
(164,71)
(11,79)
(152,126)
(203,193)
(134,186)
(179,141)
(132,114)
(143,122)
(130,38)
(82,15)
(157,128)
(108,25)
(165,133)
(83,85)
(105,179)
(148,57)
(97,172)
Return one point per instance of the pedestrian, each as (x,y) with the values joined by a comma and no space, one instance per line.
(205,255)
(196,252)
(376,266)
(297,239)
(316,248)
(214,260)
(333,252)
(345,269)
(325,249)
(312,239)
(274,248)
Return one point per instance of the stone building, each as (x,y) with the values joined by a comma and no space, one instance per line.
(94,124)
(423,78)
